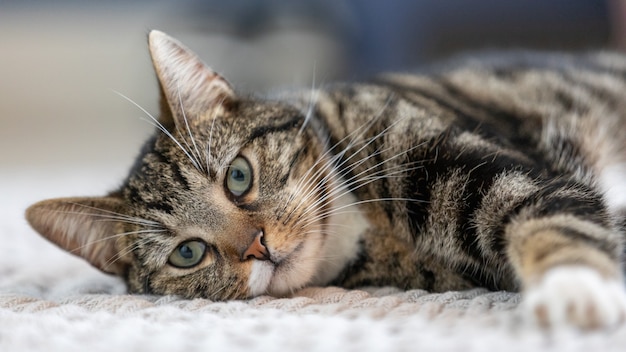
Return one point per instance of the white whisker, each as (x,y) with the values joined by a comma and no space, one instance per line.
(311,183)
(106,238)
(312,101)
(111,215)
(208,153)
(153,121)
(354,136)
(122,253)
(390,199)
(347,186)
(193,140)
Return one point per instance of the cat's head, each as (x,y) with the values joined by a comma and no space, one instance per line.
(227,200)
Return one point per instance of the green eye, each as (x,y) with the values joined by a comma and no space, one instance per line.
(188,254)
(239,178)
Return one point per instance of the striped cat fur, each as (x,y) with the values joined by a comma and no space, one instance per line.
(504,171)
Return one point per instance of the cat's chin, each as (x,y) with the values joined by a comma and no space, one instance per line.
(260,279)
(281,276)
(273,279)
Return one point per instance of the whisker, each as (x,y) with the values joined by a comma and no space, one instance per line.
(390,199)
(311,186)
(345,191)
(122,253)
(354,136)
(325,215)
(346,186)
(111,215)
(222,288)
(208,154)
(154,122)
(106,238)
(314,97)
(193,141)
(314,186)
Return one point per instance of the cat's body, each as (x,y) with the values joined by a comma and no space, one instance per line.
(482,142)
(502,172)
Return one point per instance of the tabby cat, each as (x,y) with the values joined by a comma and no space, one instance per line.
(496,171)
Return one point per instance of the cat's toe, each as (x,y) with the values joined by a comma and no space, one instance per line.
(576,296)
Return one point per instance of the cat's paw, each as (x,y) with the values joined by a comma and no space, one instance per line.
(576,296)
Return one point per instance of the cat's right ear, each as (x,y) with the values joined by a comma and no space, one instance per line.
(191,89)
(85,227)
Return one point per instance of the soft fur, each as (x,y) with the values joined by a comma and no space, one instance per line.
(492,171)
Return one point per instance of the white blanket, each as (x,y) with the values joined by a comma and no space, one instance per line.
(51,301)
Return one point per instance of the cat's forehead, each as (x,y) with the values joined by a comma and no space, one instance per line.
(245,115)
(202,150)
(248,122)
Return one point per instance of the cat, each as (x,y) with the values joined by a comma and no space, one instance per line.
(501,171)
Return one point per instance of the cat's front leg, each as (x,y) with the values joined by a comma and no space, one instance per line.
(569,272)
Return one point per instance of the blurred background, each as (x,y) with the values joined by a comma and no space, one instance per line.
(64,130)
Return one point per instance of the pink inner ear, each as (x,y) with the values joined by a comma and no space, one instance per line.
(76,225)
(188,84)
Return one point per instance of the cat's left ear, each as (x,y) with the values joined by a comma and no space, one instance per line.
(86,227)
(192,90)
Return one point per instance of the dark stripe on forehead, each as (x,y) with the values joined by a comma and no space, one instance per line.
(177,174)
(142,166)
(296,156)
(261,131)
(163,207)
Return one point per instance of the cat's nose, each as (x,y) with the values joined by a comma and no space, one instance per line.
(257,249)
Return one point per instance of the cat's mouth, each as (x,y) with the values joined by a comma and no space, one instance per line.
(282,281)
(278,274)
(285,260)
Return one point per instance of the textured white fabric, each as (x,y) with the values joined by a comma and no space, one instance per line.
(51,301)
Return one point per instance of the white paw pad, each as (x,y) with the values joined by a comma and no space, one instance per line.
(576,296)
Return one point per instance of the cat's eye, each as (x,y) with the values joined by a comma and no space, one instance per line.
(188,254)
(239,177)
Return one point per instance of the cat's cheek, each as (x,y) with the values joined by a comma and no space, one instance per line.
(297,270)
(260,277)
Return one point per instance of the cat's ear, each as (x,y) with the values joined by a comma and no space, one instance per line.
(191,89)
(86,227)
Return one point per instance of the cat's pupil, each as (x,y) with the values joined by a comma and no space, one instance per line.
(185,251)
(238,175)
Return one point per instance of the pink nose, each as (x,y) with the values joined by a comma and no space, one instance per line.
(256,249)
